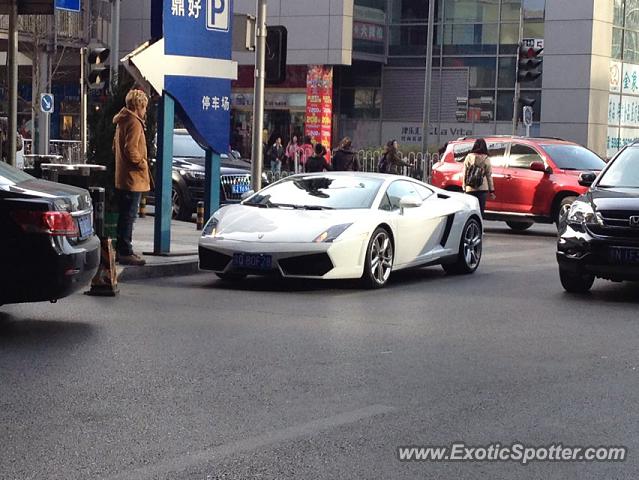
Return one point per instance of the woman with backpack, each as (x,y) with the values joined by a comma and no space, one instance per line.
(478,174)
(391,161)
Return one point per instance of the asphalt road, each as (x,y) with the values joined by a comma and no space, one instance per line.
(189,378)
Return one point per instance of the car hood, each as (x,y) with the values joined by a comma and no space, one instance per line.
(196,164)
(614,198)
(73,198)
(280,225)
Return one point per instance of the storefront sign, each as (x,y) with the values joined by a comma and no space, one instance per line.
(368,31)
(272,100)
(630,79)
(319,104)
(615,76)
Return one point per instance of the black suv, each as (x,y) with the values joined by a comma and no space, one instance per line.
(601,234)
(188,176)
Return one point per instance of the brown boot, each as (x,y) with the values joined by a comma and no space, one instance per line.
(131,260)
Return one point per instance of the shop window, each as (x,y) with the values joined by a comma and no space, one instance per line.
(470,39)
(510,10)
(412,11)
(481,72)
(632,14)
(410,40)
(504,106)
(507,68)
(508,38)
(360,102)
(631,47)
(618,13)
(360,74)
(534,9)
(533,30)
(617,39)
(471,10)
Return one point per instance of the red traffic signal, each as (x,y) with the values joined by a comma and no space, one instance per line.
(529,64)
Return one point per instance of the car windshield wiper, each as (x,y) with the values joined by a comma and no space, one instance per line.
(301,207)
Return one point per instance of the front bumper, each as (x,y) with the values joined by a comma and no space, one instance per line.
(580,251)
(337,260)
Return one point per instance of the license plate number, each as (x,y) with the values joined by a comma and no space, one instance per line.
(85,225)
(624,255)
(240,188)
(252,261)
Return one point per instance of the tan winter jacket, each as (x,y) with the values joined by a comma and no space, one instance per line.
(129,146)
(480,161)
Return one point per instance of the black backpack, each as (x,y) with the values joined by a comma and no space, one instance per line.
(384,164)
(474,176)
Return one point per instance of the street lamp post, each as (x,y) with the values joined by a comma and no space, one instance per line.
(428,80)
(258,97)
(13,82)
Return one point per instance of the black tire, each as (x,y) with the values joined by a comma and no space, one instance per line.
(470,248)
(575,282)
(519,226)
(231,276)
(378,262)
(562,210)
(179,209)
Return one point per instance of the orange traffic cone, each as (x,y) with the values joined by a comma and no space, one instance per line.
(105,281)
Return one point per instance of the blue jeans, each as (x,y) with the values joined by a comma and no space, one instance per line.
(128,206)
(276,166)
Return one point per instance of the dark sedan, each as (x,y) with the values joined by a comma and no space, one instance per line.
(601,235)
(48,248)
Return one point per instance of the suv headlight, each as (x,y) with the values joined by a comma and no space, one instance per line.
(193,174)
(583,213)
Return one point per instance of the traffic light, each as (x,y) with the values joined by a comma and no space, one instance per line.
(529,64)
(276,54)
(97,70)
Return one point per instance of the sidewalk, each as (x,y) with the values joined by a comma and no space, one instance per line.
(182,259)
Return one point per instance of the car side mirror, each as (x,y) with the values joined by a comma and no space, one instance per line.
(246,194)
(586,179)
(540,167)
(409,201)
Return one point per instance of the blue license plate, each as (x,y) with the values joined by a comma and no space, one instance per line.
(85,225)
(252,261)
(240,188)
(624,255)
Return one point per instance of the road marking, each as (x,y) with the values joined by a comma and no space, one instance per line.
(202,457)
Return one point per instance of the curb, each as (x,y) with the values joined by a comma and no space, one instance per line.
(170,269)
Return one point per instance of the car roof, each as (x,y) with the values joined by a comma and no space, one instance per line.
(509,138)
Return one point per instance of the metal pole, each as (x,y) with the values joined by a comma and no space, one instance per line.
(258,96)
(517,85)
(83,104)
(429,75)
(115,44)
(13,82)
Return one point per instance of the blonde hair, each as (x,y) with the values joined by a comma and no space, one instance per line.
(136,98)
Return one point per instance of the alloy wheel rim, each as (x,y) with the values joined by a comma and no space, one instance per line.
(472,245)
(563,213)
(175,202)
(381,258)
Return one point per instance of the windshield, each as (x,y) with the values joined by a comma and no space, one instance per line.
(185,146)
(574,157)
(623,172)
(10,175)
(318,192)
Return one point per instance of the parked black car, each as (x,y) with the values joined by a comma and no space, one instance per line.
(47,245)
(601,235)
(188,176)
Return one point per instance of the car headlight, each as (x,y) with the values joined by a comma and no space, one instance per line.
(193,174)
(210,229)
(582,213)
(332,233)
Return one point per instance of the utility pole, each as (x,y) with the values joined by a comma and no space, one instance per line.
(429,76)
(13,82)
(517,83)
(83,103)
(115,44)
(258,96)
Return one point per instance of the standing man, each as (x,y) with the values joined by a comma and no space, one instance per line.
(132,176)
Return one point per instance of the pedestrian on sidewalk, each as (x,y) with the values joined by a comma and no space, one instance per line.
(478,174)
(345,159)
(293,154)
(132,176)
(276,155)
(318,163)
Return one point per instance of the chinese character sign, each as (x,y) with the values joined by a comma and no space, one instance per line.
(319,104)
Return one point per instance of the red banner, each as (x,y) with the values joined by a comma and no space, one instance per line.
(319,104)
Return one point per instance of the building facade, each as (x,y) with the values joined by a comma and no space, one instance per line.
(377,51)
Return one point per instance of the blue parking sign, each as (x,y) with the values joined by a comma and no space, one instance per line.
(71,5)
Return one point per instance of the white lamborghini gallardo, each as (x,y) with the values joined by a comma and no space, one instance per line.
(343,225)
